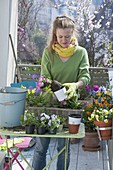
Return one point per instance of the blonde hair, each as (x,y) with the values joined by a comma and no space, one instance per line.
(61,22)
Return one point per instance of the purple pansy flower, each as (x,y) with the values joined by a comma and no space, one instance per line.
(95,87)
(31,88)
(34,76)
(41,78)
(88,88)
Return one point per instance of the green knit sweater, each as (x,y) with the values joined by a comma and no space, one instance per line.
(73,70)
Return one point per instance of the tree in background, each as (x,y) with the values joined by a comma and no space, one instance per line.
(28,27)
(95,26)
(94,30)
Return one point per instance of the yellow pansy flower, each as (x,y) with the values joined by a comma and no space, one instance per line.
(106,120)
(29,91)
(92,115)
(105,111)
(89,118)
(109,93)
(97,116)
(22,87)
(33,91)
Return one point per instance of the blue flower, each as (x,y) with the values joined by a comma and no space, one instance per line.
(34,76)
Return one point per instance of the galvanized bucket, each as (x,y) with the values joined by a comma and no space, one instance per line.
(12,105)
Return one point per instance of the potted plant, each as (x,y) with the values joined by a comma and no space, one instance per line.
(103,120)
(74,121)
(46,84)
(34,97)
(53,123)
(59,90)
(28,121)
(99,110)
(103,112)
(41,123)
(43,83)
(90,141)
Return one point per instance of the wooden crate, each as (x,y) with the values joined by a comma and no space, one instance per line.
(65,112)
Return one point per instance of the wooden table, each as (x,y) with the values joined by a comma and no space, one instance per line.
(64,134)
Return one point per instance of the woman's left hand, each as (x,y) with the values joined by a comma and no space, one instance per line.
(71,91)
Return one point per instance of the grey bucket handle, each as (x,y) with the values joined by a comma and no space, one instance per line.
(16,92)
(11,102)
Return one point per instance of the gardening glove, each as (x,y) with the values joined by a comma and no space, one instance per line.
(71,91)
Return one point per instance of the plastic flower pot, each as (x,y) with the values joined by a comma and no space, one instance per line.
(29,129)
(41,130)
(61,94)
(59,90)
(60,128)
(52,131)
(74,121)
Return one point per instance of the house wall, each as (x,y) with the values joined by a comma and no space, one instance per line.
(13,18)
(8,22)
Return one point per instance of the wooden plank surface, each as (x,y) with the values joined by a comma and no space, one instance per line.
(89,160)
(85,160)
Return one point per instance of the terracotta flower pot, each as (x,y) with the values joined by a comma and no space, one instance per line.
(104,129)
(91,141)
(73,129)
(74,123)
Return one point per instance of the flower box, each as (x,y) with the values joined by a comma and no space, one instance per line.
(60,111)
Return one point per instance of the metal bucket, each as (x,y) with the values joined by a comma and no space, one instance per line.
(12,105)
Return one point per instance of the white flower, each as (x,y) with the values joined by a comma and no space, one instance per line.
(47,116)
(106,120)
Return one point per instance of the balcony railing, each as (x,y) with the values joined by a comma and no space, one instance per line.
(99,75)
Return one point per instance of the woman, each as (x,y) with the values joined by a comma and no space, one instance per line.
(63,60)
